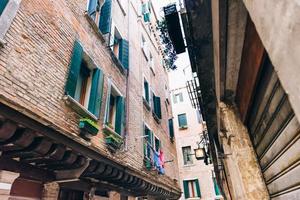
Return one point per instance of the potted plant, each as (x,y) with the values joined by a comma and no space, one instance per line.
(88,128)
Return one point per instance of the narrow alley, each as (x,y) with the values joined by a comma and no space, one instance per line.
(149,100)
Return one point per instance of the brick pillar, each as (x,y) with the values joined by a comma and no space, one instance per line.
(6,180)
(50,191)
(24,188)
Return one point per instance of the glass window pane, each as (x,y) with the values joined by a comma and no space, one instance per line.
(182,121)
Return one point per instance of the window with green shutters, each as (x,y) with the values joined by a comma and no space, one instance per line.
(157,144)
(120,47)
(146,93)
(191,189)
(146,10)
(171,129)
(124,53)
(115,110)
(85,82)
(182,121)
(148,141)
(3,4)
(216,187)
(105,17)
(156,106)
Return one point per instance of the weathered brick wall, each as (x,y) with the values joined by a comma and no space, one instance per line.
(157,80)
(34,66)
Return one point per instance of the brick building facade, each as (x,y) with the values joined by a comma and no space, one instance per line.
(65,61)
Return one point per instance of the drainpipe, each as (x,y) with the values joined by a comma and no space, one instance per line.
(127,81)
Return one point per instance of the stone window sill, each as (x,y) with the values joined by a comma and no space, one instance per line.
(145,53)
(121,7)
(189,165)
(116,61)
(152,70)
(82,111)
(183,127)
(156,118)
(146,104)
(95,27)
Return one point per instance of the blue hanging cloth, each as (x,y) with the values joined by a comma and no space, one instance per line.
(156,160)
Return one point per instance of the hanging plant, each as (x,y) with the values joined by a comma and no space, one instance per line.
(169,52)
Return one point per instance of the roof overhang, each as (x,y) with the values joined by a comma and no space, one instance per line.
(41,153)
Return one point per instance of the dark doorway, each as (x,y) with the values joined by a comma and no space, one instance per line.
(68,194)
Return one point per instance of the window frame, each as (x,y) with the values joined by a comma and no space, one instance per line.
(146,126)
(10,11)
(111,86)
(186,124)
(187,162)
(144,47)
(144,91)
(87,86)
(97,11)
(89,107)
(196,188)
(155,137)
(151,61)
(178,98)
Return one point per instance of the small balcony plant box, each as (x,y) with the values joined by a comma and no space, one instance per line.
(147,163)
(113,140)
(88,128)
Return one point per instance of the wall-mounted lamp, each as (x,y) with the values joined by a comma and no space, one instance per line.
(200,153)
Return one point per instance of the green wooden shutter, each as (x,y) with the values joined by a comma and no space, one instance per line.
(96,92)
(186,189)
(105,17)
(120,111)
(124,53)
(152,138)
(146,88)
(158,107)
(92,8)
(144,7)
(74,70)
(146,11)
(198,188)
(3,4)
(171,128)
(145,144)
(217,190)
(147,17)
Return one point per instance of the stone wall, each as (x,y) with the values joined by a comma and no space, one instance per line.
(243,173)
